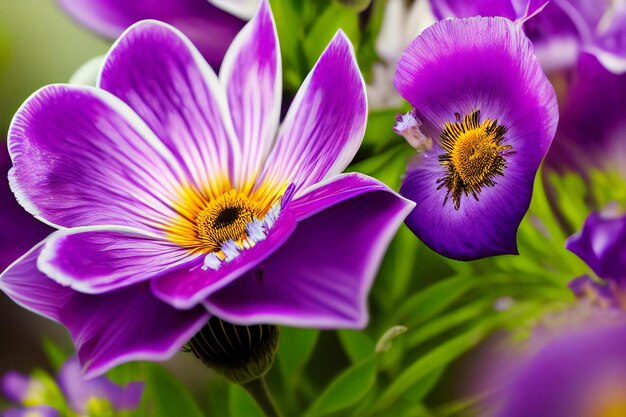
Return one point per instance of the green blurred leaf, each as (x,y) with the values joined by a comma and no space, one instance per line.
(296,347)
(55,354)
(358,345)
(240,404)
(448,321)
(430,362)
(433,299)
(333,18)
(346,390)
(379,132)
(168,396)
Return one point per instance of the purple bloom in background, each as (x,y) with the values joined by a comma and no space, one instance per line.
(480,94)
(602,245)
(559,29)
(33,396)
(592,128)
(209,27)
(581,374)
(20,231)
(177,198)
(511,9)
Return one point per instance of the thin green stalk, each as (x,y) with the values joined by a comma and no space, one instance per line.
(257,389)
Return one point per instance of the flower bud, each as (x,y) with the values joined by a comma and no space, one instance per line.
(240,353)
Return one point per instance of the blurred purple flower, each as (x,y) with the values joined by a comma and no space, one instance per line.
(559,29)
(31,394)
(175,199)
(602,245)
(592,129)
(580,374)
(480,94)
(209,27)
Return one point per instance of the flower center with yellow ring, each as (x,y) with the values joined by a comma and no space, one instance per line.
(474,156)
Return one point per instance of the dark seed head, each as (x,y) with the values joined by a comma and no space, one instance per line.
(240,353)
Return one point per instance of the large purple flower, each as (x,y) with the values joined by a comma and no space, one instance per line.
(210,28)
(481,97)
(582,374)
(559,29)
(34,397)
(175,199)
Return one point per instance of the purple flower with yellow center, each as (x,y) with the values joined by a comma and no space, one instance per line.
(581,374)
(38,397)
(176,200)
(210,27)
(559,29)
(602,245)
(480,95)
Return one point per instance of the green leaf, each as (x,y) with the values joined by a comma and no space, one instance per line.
(56,355)
(433,300)
(346,390)
(291,36)
(168,396)
(240,404)
(448,321)
(379,132)
(430,362)
(358,345)
(296,347)
(333,18)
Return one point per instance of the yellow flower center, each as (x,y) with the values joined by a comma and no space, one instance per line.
(474,156)
(225,218)
(222,225)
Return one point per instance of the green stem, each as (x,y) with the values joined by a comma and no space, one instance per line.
(257,389)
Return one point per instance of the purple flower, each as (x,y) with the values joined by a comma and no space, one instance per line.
(559,29)
(480,94)
(581,374)
(35,399)
(209,27)
(602,245)
(592,129)
(511,9)
(175,199)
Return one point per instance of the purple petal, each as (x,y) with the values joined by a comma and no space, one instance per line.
(610,42)
(15,386)
(252,75)
(602,245)
(157,71)
(82,157)
(186,287)
(592,126)
(107,329)
(459,67)
(20,231)
(35,411)
(210,28)
(322,275)
(469,8)
(325,125)
(79,391)
(578,375)
(96,260)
